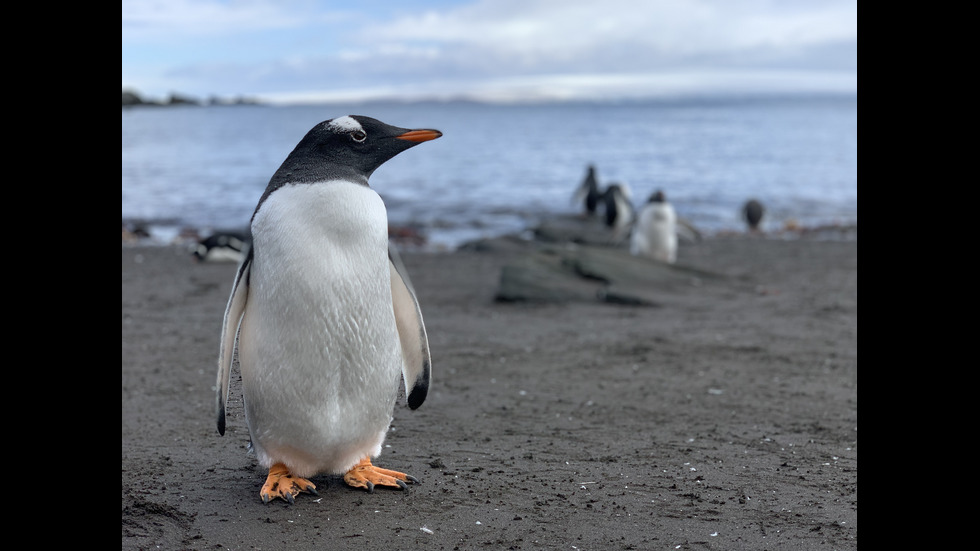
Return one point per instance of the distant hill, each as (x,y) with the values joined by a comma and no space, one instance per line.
(131,98)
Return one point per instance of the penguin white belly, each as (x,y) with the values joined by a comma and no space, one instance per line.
(318,348)
(655,234)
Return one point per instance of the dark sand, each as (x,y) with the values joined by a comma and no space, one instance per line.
(723,418)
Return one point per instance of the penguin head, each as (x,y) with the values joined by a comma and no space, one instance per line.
(350,147)
(657,197)
(753,211)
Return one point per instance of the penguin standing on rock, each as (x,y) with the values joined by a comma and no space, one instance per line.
(617,200)
(655,233)
(588,192)
(324,322)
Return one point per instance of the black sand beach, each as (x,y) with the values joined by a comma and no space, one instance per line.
(719,414)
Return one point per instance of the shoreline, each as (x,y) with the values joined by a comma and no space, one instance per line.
(416,239)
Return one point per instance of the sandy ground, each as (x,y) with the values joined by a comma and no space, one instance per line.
(723,418)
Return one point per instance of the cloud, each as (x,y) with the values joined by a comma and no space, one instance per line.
(615,35)
(520,45)
(168,20)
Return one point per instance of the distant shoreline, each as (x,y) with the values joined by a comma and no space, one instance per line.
(132,98)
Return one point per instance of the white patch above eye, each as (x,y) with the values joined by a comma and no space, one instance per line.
(344,124)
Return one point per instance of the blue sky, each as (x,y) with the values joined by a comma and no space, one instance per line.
(495,50)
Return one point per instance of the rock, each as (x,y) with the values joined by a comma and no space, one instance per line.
(543,276)
(577,229)
(572,272)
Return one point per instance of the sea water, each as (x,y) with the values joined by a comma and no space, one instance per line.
(502,168)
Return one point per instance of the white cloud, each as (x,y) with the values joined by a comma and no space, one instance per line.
(499,45)
(548,30)
(154,20)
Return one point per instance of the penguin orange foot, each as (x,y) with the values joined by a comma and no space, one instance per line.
(282,483)
(366,475)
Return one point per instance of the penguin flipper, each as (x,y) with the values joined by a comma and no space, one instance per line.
(625,214)
(229,334)
(416,365)
(688,231)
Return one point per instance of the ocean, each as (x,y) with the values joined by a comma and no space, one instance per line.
(502,168)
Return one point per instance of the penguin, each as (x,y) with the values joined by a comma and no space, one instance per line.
(221,247)
(655,233)
(752,212)
(617,200)
(324,320)
(588,191)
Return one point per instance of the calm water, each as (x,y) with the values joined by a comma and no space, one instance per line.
(498,169)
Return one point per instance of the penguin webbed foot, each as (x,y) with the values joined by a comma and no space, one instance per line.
(367,476)
(283,484)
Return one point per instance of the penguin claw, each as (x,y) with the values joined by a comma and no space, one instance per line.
(283,484)
(367,476)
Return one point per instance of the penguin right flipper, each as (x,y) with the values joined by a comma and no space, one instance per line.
(229,334)
(416,365)
(688,231)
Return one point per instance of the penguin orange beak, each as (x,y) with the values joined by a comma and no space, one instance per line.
(419,136)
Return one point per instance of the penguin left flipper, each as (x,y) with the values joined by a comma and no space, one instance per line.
(229,333)
(367,476)
(416,365)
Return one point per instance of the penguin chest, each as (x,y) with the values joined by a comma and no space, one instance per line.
(318,343)
(656,233)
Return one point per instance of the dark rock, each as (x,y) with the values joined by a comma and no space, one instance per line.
(543,276)
(565,273)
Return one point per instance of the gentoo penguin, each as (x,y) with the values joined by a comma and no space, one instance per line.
(588,191)
(752,211)
(617,200)
(655,233)
(326,325)
(221,247)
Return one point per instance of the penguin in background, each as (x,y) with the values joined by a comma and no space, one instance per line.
(655,233)
(224,246)
(752,213)
(619,214)
(588,192)
(325,323)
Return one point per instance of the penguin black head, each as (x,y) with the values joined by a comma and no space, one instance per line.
(349,148)
(657,197)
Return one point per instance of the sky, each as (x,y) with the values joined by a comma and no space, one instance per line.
(287,51)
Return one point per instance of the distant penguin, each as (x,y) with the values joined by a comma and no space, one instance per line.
(655,233)
(588,192)
(617,201)
(752,212)
(325,323)
(221,247)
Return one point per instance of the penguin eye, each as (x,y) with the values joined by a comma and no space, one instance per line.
(358,136)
